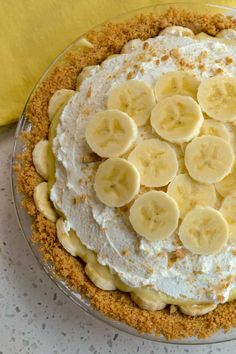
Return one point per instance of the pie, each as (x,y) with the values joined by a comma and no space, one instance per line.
(130,173)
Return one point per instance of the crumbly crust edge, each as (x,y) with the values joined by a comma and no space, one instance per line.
(114,304)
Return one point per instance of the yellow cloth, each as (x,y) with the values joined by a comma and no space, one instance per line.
(33,32)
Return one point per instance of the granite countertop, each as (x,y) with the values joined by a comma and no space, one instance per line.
(36,317)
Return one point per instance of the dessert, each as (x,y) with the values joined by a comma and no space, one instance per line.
(135,161)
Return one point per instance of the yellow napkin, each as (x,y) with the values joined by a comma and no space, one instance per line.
(33,32)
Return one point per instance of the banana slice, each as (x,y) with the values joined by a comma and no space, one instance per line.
(42,202)
(177,119)
(134,98)
(208,159)
(156,162)
(71,242)
(215,128)
(121,285)
(154,215)
(228,210)
(188,194)
(131,46)
(68,239)
(111,133)
(176,83)
(227,34)
(40,158)
(117,181)
(147,299)
(203,35)
(100,276)
(228,184)
(58,99)
(178,31)
(85,74)
(170,300)
(51,135)
(217,97)
(204,231)
(197,310)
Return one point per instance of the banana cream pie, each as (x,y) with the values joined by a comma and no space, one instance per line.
(132,174)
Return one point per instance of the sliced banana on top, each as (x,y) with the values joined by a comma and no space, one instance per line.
(42,201)
(228,209)
(134,98)
(147,299)
(228,184)
(178,31)
(154,215)
(177,119)
(58,99)
(176,83)
(40,158)
(208,159)
(189,193)
(117,181)
(204,231)
(227,34)
(215,128)
(111,133)
(197,310)
(156,162)
(217,97)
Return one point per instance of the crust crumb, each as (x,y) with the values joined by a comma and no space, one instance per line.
(165,57)
(220,298)
(91,157)
(80,199)
(125,252)
(173,257)
(228,60)
(145,45)
(130,75)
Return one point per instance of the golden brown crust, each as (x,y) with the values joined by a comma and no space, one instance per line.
(117,305)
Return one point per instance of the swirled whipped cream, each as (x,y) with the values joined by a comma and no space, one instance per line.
(163,265)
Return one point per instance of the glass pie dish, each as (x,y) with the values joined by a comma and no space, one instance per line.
(26,221)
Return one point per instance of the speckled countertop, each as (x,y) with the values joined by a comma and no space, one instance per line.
(36,316)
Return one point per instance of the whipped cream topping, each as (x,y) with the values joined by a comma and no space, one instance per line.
(107,231)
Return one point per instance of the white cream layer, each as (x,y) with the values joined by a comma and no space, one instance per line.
(103,229)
